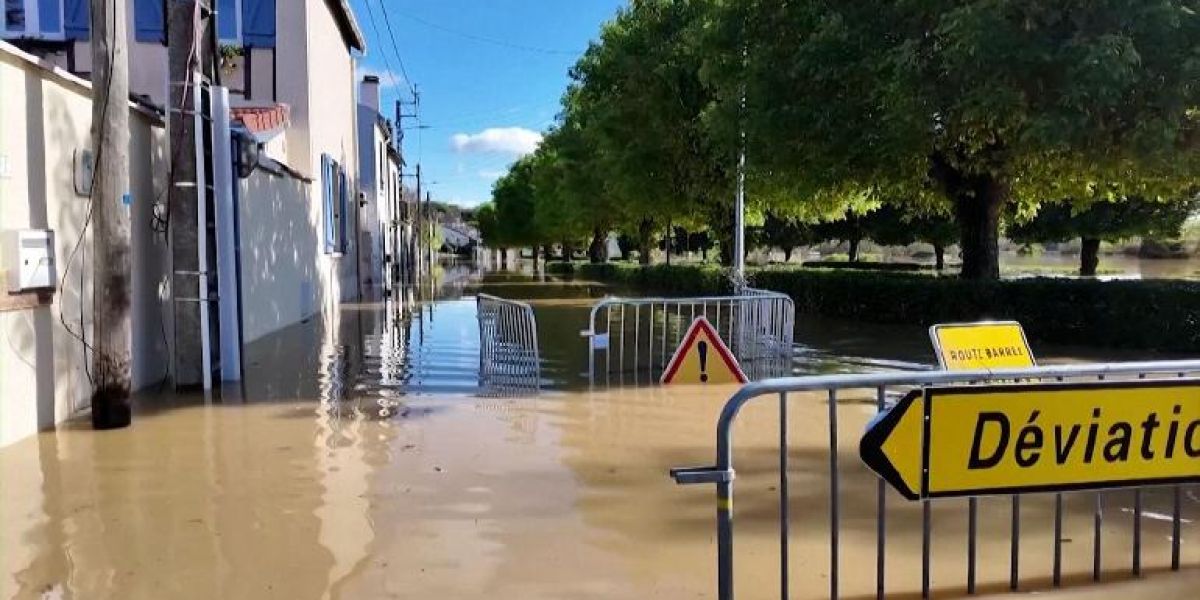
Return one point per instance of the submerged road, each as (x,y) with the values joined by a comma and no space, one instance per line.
(364,460)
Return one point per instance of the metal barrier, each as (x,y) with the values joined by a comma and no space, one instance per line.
(639,335)
(508,345)
(722,473)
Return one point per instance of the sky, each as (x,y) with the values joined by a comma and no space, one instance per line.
(490,75)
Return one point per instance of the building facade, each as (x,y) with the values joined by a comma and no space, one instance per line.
(289,68)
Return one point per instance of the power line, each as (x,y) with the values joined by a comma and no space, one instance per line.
(488,40)
(395,47)
(387,63)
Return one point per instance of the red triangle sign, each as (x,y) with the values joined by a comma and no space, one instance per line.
(702,357)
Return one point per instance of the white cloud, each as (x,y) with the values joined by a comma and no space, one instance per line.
(465,202)
(491,174)
(503,140)
(388,79)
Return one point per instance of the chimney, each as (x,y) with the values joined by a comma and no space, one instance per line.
(370,92)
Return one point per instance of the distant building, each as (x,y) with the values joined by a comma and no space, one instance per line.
(385,227)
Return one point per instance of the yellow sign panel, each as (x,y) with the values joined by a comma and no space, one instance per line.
(971,441)
(702,358)
(990,345)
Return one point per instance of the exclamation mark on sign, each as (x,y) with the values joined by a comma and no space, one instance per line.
(703,348)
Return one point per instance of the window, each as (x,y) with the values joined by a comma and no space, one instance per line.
(239,22)
(41,19)
(229,21)
(335,196)
(381,175)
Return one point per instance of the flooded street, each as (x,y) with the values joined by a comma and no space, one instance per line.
(366,460)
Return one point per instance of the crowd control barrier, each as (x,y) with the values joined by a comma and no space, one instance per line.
(721,474)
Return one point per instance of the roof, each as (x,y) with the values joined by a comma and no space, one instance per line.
(265,122)
(348,24)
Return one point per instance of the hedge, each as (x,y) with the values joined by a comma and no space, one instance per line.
(1157,315)
(866,265)
(689,280)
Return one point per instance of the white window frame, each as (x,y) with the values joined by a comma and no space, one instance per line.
(33,23)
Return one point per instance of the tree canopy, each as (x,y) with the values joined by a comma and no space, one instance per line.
(965,109)
(1102,221)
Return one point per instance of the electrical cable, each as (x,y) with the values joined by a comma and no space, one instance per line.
(160,219)
(395,47)
(163,223)
(104,104)
(390,72)
(493,41)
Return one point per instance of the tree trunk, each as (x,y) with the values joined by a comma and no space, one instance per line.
(667,244)
(597,252)
(504,258)
(787,255)
(645,234)
(978,200)
(567,251)
(535,257)
(939,251)
(979,218)
(1089,257)
(854,249)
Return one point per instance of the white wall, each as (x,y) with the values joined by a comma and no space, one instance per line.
(373,186)
(331,118)
(45,116)
(281,241)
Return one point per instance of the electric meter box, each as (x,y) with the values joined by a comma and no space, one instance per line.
(28,256)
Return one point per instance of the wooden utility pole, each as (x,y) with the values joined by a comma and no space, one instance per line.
(420,228)
(429,229)
(189,60)
(110,205)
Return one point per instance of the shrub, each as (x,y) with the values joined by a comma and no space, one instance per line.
(560,268)
(867,266)
(1158,315)
(673,280)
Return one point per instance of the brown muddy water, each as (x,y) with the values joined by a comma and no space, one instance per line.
(363,460)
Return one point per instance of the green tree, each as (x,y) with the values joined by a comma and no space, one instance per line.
(565,207)
(785,233)
(513,197)
(980,104)
(848,229)
(489,228)
(1102,222)
(902,225)
(638,97)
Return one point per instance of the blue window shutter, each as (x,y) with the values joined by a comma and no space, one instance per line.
(77,23)
(49,17)
(227,29)
(258,23)
(343,213)
(148,21)
(327,192)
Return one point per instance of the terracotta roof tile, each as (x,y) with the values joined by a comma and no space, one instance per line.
(260,119)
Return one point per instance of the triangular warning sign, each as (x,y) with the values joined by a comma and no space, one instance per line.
(702,358)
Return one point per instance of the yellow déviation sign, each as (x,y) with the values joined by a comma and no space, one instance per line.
(1006,439)
(986,345)
(702,357)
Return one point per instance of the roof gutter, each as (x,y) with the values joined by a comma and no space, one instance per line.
(348,24)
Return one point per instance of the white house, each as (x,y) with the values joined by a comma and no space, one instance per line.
(294,90)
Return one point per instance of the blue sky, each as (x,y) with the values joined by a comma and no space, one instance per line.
(490,73)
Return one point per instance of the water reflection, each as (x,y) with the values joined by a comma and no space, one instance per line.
(365,461)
